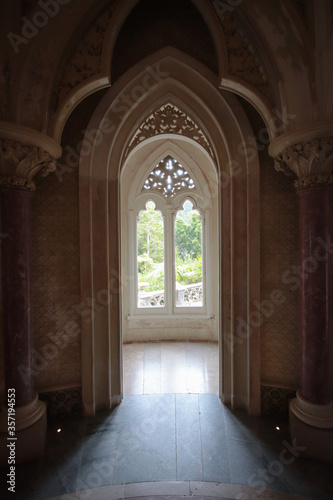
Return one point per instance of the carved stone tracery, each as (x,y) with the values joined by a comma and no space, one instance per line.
(310,163)
(20,164)
(168,178)
(169,119)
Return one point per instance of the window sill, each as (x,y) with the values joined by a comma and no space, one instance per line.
(168,317)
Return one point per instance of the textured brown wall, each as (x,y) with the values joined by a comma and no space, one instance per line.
(55,281)
(279,226)
(56,262)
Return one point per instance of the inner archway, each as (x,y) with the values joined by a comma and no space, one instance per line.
(190,87)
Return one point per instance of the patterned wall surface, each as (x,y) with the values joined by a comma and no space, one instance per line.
(279,227)
(275,401)
(55,281)
(63,403)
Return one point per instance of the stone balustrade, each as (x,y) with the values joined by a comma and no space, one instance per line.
(186,295)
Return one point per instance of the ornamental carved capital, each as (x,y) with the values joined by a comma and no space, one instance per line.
(20,164)
(309,163)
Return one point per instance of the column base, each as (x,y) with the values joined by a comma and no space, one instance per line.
(311,426)
(30,424)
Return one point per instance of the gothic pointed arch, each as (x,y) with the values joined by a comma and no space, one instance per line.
(235,189)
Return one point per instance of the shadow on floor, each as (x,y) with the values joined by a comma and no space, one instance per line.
(170,437)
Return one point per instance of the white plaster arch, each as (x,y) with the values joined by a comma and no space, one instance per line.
(237,190)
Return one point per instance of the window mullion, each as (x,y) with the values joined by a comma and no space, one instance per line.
(168,268)
(132,260)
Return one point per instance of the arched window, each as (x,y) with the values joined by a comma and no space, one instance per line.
(171,248)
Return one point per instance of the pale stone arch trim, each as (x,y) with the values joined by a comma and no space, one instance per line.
(73,99)
(259,102)
(307,134)
(29,136)
(100,231)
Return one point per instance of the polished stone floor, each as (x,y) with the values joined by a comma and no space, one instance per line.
(172,444)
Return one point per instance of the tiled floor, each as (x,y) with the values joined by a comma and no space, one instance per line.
(179,445)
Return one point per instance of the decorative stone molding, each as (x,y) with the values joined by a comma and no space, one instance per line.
(21,163)
(169,119)
(310,163)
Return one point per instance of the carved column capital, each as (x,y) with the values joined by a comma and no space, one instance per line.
(21,163)
(309,163)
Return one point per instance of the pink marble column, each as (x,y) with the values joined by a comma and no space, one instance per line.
(310,163)
(314,218)
(17,329)
(22,159)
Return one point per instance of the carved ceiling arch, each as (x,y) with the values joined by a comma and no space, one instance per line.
(244,61)
(87,68)
(85,60)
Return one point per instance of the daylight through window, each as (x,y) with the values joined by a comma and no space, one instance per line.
(170,250)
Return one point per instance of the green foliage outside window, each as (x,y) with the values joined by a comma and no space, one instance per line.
(150,249)
(188,247)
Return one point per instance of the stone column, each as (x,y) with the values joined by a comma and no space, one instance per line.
(311,412)
(20,164)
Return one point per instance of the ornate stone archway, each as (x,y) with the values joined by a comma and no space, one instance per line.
(190,87)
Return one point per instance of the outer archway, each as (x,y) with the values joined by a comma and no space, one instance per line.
(181,80)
